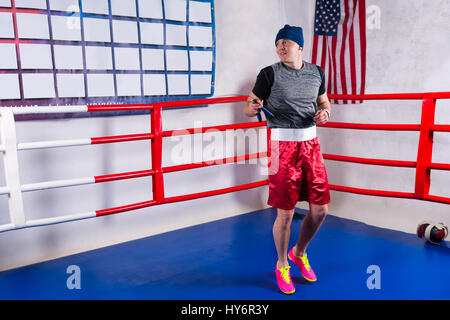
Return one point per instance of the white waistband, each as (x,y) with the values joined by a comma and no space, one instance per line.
(291,134)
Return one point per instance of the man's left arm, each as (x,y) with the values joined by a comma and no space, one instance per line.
(323,114)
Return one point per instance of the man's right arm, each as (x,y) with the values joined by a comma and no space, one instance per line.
(260,91)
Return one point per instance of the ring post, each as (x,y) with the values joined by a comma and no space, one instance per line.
(425,150)
(157,131)
(11,162)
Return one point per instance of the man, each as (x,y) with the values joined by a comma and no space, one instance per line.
(294,92)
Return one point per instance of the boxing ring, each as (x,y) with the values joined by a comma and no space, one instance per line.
(14,189)
(423,166)
(424,163)
(10,149)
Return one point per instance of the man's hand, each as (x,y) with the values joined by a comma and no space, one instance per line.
(323,103)
(321,117)
(252,106)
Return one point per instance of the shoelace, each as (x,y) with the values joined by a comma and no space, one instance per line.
(306,262)
(285,274)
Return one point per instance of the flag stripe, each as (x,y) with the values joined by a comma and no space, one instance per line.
(343,84)
(334,58)
(362,38)
(357,49)
(314,50)
(324,52)
(346,55)
(328,63)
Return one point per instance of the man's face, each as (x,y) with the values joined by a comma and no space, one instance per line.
(288,51)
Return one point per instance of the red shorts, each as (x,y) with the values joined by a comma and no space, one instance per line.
(297,173)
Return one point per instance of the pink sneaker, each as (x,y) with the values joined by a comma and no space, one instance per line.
(303,264)
(284,280)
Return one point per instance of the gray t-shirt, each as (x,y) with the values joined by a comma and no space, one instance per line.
(290,94)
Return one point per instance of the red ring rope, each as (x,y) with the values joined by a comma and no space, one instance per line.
(423,165)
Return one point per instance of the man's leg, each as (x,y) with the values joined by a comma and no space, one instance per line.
(310,225)
(281,235)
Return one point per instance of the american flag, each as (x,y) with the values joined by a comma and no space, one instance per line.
(339,45)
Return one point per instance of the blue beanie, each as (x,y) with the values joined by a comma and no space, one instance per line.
(291,33)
